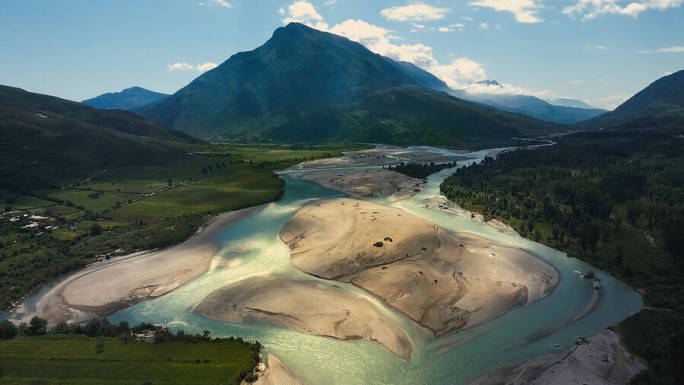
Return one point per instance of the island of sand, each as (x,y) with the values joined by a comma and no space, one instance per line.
(106,287)
(307,306)
(443,281)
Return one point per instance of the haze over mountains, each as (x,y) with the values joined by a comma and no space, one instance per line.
(307,85)
(564,111)
(661,103)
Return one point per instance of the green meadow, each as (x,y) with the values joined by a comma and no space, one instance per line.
(81,360)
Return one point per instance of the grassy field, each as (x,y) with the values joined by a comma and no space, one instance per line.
(81,360)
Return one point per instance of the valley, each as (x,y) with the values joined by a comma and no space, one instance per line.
(341,204)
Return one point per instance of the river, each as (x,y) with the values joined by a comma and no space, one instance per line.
(252,247)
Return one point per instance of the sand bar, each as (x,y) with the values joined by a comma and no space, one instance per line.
(443,281)
(277,373)
(361,174)
(307,306)
(104,288)
(599,360)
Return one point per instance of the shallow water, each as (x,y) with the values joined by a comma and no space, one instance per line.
(252,247)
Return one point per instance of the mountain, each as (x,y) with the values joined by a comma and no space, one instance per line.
(567,102)
(308,85)
(46,139)
(661,100)
(128,99)
(422,77)
(531,105)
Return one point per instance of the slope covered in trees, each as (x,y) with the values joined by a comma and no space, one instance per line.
(612,198)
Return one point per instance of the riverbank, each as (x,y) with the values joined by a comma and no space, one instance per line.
(361,174)
(106,287)
(600,360)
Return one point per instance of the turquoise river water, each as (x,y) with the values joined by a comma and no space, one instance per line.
(252,247)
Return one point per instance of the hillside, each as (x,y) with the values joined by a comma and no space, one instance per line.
(128,99)
(307,85)
(566,111)
(46,139)
(661,100)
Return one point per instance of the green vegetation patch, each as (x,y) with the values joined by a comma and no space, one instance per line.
(75,359)
(613,198)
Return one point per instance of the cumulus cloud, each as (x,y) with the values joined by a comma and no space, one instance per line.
(591,9)
(495,89)
(183,66)
(219,3)
(457,74)
(305,13)
(675,49)
(206,66)
(379,40)
(414,12)
(525,11)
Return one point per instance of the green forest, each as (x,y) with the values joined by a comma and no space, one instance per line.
(612,198)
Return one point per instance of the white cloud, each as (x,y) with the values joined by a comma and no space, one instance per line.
(484,25)
(576,82)
(598,48)
(494,89)
(414,12)
(178,66)
(675,49)
(206,66)
(452,27)
(459,73)
(525,11)
(379,40)
(219,3)
(591,9)
(305,13)
(183,66)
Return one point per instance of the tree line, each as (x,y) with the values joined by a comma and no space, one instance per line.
(613,199)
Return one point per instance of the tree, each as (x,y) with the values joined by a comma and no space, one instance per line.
(95,229)
(7,330)
(673,238)
(37,326)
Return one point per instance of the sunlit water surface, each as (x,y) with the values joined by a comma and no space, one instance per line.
(252,247)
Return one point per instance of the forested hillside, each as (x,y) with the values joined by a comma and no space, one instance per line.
(614,199)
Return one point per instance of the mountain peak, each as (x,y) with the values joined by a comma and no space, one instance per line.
(489,83)
(128,99)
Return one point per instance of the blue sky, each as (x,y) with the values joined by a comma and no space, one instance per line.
(599,51)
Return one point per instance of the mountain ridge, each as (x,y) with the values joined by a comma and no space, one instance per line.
(127,99)
(315,83)
(47,139)
(662,99)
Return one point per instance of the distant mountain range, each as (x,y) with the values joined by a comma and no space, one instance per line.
(563,111)
(128,99)
(308,85)
(661,103)
(46,139)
